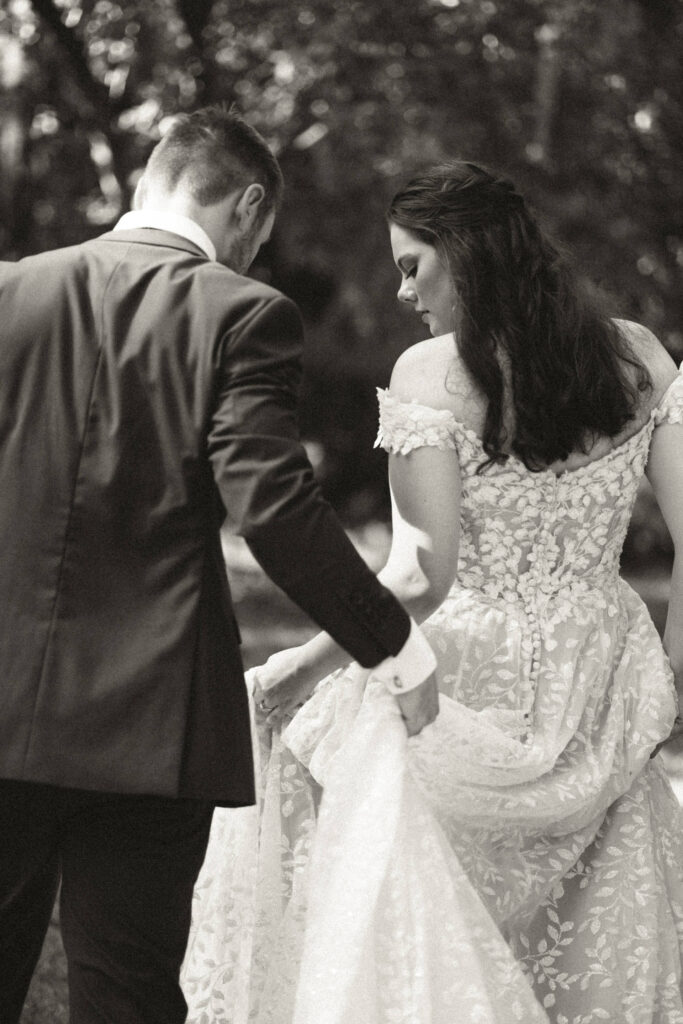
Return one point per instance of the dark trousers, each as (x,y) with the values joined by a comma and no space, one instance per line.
(128,865)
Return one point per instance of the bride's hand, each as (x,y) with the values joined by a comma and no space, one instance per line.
(282,685)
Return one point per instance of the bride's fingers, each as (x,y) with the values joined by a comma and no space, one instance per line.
(263,704)
(278,717)
(265,700)
(256,691)
(283,713)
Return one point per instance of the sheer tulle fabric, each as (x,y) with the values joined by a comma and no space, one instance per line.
(521,859)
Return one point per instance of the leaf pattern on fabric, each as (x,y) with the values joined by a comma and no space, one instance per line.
(520,860)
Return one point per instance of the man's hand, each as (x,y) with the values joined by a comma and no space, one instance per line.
(419,707)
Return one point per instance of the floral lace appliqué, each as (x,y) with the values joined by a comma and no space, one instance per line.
(405,426)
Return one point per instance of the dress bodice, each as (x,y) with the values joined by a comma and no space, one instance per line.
(546,538)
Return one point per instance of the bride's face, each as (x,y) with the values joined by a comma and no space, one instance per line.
(425,280)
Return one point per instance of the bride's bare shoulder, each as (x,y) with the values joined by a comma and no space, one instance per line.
(652,354)
(431,373)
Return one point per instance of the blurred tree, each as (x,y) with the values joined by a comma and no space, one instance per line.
(13,118)
(580,101)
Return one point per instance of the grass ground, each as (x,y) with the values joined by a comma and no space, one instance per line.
(269,622)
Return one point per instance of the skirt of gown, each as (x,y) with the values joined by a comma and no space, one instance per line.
(520,860)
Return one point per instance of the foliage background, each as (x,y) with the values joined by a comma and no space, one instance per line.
(581,101)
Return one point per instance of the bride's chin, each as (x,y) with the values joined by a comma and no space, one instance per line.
(436,329)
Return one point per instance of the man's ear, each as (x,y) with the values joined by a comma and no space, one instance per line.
(248,205)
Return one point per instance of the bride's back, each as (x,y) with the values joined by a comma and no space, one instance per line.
(555,530)
(444,382)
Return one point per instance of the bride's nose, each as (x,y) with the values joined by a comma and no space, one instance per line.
(406,292)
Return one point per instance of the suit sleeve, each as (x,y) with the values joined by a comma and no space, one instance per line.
(270,495)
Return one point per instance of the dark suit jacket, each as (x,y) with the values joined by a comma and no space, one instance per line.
(146,393)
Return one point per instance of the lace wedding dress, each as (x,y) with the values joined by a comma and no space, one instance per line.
(520,860)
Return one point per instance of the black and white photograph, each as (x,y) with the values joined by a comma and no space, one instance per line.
(341,512)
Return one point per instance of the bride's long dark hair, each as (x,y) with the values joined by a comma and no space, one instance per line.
(573,375)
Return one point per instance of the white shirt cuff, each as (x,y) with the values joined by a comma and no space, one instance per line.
(411,666)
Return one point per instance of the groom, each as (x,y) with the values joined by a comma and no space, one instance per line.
(147,394)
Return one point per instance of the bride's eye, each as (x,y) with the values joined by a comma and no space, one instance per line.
(411,271)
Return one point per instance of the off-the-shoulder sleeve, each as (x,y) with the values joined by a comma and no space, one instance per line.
(670,407)
(404,426)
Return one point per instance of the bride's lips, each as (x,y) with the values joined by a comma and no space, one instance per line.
(424,317)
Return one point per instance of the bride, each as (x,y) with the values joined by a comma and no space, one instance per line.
(521,859)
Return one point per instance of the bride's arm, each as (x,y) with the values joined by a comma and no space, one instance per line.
(425,495)
(425,503)
(425,492)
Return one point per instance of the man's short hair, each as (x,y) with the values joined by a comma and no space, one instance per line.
(213,151)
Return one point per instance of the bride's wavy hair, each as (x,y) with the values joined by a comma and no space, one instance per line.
(573,375)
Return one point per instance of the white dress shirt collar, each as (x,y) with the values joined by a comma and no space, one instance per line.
(163,220)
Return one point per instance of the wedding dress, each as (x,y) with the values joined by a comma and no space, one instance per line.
(521,859)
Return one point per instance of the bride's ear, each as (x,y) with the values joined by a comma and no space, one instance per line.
(248,205)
